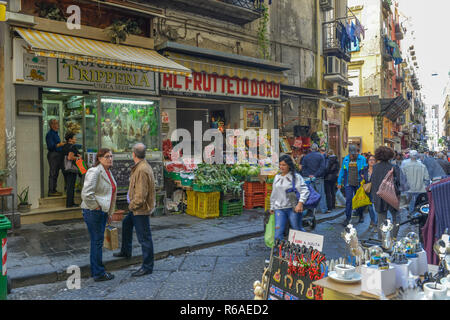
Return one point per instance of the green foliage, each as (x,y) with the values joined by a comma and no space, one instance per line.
(120,29)
(23,196)
(263,37)
(217,175)
(50,11)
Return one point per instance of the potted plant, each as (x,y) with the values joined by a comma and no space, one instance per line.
(24,206)
(4,174)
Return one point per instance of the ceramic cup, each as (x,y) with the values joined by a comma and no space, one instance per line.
(435,291)
(345,271)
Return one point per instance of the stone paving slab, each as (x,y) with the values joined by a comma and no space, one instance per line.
(40,253)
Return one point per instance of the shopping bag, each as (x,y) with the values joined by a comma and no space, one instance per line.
(360,199)
(340,199)
(69,166)
(387,190)
(269,235)
(111,241)
(81,165)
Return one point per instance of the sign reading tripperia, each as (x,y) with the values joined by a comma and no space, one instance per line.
(104,77)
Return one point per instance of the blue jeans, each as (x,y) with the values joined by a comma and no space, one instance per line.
(373,215)
(349,194)
(319,185)
(96,223)
(412,202)
(281,217)
(144,235)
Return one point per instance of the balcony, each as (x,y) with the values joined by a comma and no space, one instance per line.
(398,32)
(235,11)
(333,32)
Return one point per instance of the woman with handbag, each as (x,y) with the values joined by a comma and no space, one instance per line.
(385,188)
(99,197)
(367,176)
(71,154)
(289,193)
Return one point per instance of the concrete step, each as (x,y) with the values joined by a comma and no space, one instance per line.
(56,202)
(49,214)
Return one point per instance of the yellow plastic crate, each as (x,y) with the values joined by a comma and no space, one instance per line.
(208,205)
(191,202)
(267,203)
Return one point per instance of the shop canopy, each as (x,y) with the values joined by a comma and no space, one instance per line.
(224,64)
(54,45)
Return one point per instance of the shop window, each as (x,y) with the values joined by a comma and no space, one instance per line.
(126,121)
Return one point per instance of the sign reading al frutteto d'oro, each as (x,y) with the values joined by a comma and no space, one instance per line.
(205,84)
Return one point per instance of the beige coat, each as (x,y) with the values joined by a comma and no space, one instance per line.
(97,190)
(142,189)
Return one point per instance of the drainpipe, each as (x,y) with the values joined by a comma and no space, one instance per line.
(318,58)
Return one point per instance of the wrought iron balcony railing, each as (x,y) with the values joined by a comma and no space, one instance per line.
(334,39)
(253,5)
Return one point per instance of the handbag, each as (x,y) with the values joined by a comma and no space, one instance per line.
(387,190)
(69,166)
(313,198)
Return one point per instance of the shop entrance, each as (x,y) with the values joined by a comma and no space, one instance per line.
(334,139)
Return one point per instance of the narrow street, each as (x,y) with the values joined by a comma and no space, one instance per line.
(223,272)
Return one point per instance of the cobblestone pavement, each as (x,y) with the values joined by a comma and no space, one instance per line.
(220,272)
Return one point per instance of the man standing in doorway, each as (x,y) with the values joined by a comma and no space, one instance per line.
(313,166)
(142,200)
(54,156)
(350,178)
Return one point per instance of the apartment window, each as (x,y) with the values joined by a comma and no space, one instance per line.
(354,77)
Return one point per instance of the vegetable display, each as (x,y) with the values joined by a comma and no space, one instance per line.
(217,176)
(245,170)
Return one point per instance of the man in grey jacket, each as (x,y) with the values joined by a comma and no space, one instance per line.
(417,176)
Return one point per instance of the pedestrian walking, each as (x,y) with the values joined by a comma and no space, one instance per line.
(283,200)
(350,177)
(141,202)
(54,156)
(435,171)
(443,162)
(367,176)
(313,166)
(331,176)
(417,176)
(99,197)
(384,155)
(70,151)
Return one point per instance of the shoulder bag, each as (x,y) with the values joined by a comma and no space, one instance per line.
(69,166)
(387,190)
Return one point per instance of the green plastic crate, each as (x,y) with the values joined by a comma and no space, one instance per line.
(198,188)
(187,182)
(231,208)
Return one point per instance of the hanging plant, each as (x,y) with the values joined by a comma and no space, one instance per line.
(263,38)
(120,29)
(50,11)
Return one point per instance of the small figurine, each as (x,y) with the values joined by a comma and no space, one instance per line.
(386,229)
(375,253)
(383,264)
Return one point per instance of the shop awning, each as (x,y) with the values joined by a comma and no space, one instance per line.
(54,45)
(225,68)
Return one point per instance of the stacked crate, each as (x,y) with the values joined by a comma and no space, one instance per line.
(254,194)
(203,205)
(267,196)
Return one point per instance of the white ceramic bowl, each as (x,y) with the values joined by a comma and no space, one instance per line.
(435,291)
(345,271)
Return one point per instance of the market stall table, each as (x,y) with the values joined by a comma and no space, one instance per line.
(334,290)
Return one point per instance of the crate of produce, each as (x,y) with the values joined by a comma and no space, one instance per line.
(254,201)
(187,182)
(254,188)
(231,207)
(252,179)
(208,205)
(268,187)
(198,188)
(230,196)
(191,202)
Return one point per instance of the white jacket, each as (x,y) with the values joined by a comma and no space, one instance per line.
(279,199)
(97,190)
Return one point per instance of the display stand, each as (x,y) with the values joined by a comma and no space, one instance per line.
(378,282)
(401,274)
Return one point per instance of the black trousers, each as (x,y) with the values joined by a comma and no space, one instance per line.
(71,178)
(330,193)
(55,163)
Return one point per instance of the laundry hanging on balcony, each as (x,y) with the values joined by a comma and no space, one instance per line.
(393,50)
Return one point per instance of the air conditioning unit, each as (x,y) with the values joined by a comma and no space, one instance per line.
(326,5)
(344,68)
(333,65)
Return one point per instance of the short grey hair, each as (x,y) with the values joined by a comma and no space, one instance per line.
(314,147)
(51,121)
(139,150)
(440,155)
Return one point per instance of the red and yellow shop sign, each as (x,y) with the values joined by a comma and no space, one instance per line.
(202,84)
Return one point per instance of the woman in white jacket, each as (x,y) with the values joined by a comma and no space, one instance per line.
(99,197)
(283,200)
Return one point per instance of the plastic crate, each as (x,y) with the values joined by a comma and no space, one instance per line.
(231,208)
(230,196)
(255,200)
(252,178)
(191,202)
(254,188)
(208,205)
(187,182)
(175,175)
(207,189)
(267,203)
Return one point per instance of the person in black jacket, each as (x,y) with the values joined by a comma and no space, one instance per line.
(70,151)
(384,155)
(331,175)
